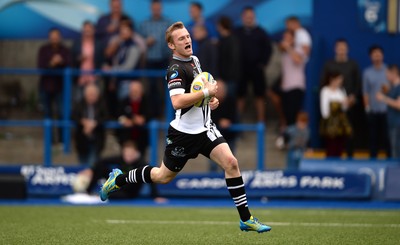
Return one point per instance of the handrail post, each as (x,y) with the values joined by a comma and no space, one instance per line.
(47,131)
(260,146)
(153,135)
(67,88)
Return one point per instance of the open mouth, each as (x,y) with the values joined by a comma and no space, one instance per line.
(188,47)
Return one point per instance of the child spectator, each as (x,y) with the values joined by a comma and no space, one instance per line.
(297,136)
(335,126)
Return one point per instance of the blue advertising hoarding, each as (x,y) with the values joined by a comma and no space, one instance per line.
(58,180)
(274,184)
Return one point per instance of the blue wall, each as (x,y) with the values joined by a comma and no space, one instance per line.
(340,19)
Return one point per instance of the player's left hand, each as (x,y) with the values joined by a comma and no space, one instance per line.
(214,103)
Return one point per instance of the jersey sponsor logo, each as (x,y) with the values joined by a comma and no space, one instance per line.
(175,84)
(175,80)
(179,151)
(174,74)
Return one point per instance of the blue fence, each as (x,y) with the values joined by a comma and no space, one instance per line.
(66,124)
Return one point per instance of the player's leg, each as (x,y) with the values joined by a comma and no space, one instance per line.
(143,174)
(222,155)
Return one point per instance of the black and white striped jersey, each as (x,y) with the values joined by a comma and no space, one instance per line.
(180,74)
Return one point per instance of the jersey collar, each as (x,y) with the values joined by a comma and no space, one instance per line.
(181,59)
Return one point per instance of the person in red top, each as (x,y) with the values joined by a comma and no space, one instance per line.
(52,56)
(133,115)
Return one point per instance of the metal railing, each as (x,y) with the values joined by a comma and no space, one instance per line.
(66,123)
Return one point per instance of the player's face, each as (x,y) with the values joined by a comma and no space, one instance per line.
(182,43)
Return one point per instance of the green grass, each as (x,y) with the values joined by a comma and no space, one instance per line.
(134,225)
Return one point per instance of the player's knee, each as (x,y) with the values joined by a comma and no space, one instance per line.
(165,179)
(231,164)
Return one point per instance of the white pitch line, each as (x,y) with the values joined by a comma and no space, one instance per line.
(187,222)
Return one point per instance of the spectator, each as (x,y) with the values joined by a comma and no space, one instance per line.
(297,136)
(133,115)
(392,100)
(196,14)
(108,24)
(374,80)
(86,56)
(293,77)
(52,56)
(129,159)
(226,114)
(255,52)
(89,115)
(228,55)
(352,85)
(206,50)
(223,117)
(335,127)
(302,39)
(153,30)
(124,55)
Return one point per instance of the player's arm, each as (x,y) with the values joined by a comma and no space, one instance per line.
(180,101)
(184,100)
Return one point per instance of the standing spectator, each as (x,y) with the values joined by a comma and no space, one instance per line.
(297,136)
(124,56)
(86,56)
(53,56)
(108,24)
(206,50)
(255,47)
(133,115)
(293,77)
(89,115)
(224,117)
(228,55)
(374,80)
(302,38)
(335,127)
(352,85)
(153,30)
(392,100)
(196,14)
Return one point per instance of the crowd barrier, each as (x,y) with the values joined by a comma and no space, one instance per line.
(66,124)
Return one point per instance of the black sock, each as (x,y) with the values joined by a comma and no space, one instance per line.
(238,194)
(137,175)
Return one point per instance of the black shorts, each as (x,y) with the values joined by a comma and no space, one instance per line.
(181,146)
(257,77)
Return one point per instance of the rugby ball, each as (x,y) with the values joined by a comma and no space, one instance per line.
(198,86)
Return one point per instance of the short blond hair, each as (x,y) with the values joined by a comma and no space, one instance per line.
(172,28)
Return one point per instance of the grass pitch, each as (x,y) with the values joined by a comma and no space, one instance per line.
(135,225)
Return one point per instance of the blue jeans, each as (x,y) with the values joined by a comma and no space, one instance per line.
(394,137)
(293,158)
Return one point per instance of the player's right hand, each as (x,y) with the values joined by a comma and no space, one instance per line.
(212,87)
